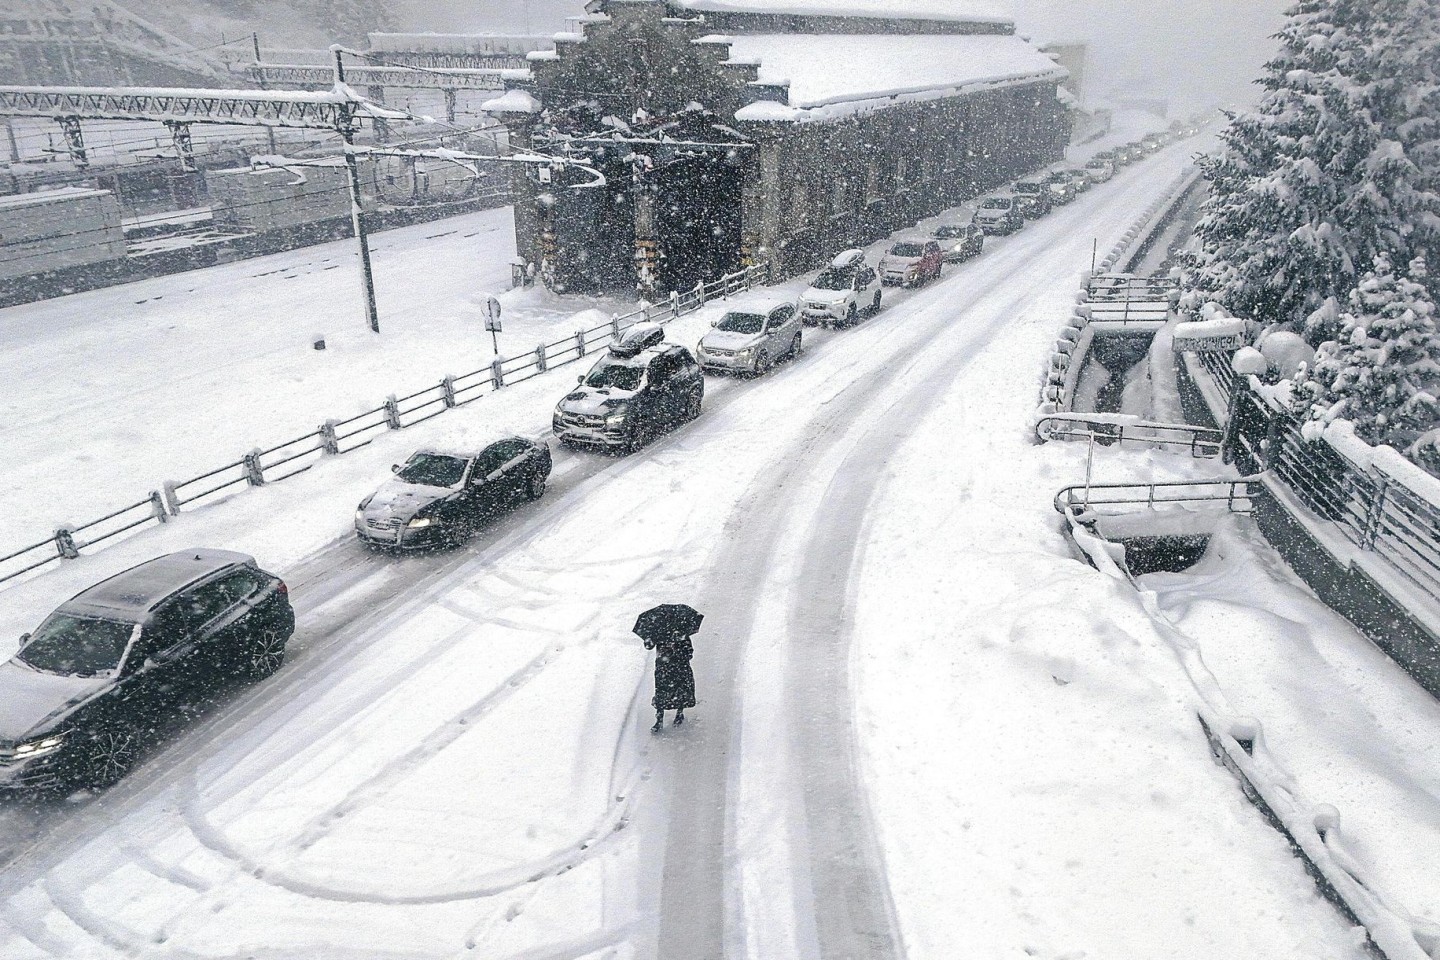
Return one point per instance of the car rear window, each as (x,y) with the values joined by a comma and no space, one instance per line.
(741,323)
(619,376)
(997,203)
(77,646)
(433,470)
(907,250)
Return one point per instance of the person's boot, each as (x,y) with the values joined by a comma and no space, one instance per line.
(659,721)
(679,717)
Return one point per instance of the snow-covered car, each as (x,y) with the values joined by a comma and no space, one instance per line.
(960,241)
(1099,170)
(1033,198)
(627,399)
(96,678)
(1061,186)
(998,215)
(438,497)
(911,261)
(751,340)
(842,292)
(1079,178)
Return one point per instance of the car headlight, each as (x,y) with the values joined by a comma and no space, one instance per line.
(616,418)
(39,748)
(419,523)
(747,353)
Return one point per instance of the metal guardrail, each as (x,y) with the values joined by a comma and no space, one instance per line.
(1083,499)
(334,437)
(1375,511)
(1124,298)
(1202,442)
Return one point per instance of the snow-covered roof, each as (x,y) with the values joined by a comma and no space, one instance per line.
(836,75)
(512,101)
(19,200)
(953,11)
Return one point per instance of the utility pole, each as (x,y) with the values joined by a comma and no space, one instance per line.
(347,127)
(269,131)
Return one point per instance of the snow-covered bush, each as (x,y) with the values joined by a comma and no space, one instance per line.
(1382,373)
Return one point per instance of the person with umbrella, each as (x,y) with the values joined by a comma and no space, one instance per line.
(667,630)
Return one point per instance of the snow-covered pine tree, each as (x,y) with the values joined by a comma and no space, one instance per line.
(1394,204)
(1383,372)
(1338,163)
(1269,248)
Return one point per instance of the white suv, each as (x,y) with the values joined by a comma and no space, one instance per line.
(842,292)
(751,340)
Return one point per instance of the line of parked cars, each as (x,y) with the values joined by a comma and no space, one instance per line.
(123,659)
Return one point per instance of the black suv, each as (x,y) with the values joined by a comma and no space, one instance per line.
(120,659)
(628,398)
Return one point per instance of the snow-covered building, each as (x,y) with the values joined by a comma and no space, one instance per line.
(78,42)
(731,131)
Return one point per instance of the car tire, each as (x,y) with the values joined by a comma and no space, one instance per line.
(875,304)
(535,487)
(108,756)
(692,409)
(852,316)
(795,345)
(265,655)
(763,363)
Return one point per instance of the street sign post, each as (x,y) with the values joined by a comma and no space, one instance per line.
(492,322)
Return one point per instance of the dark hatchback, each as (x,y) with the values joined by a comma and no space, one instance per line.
(438,498)
(120,660)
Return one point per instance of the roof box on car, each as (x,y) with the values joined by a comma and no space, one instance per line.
(637,338)
(848,259)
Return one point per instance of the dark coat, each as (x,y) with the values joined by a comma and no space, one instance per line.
(674,680)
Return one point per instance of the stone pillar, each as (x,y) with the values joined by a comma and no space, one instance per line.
(763,201)
(646,245)
(376,95)
(524,193)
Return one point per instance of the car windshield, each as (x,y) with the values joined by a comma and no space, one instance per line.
(997,203)
(741,323)
(617,376)
(1095,164)
(834,280)
(950,233)
(433,470)
(1027,188)
(906,250)
(77,646)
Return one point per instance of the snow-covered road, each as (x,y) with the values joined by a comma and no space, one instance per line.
(924,729)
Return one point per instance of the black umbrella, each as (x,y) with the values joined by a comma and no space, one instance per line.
(667,620)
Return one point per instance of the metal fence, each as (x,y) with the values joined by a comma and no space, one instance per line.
(298,454)
(1125,299)
(1081,499)
(1105,429)
(1373,510)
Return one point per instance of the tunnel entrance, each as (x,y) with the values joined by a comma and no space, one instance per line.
(1118,355)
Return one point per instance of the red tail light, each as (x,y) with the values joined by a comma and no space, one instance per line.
(284,590)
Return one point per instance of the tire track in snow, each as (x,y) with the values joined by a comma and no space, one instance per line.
(853,913)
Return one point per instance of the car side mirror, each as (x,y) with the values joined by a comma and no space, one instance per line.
(395,468)
(580,379)
(714,323)
(24,639)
